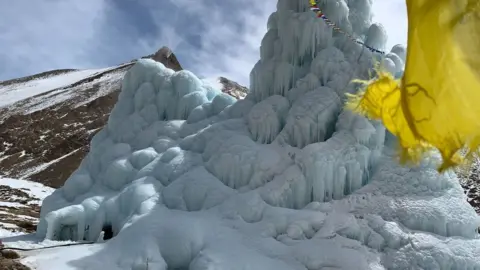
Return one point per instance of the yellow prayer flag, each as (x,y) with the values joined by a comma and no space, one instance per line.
(437,102)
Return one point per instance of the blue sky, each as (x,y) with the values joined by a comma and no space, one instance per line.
(210,37)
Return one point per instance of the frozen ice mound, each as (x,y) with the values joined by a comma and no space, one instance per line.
(188,178)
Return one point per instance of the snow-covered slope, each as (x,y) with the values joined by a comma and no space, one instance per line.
(46,91)
(45,133)
(12,93)
(20,203)
(284,179)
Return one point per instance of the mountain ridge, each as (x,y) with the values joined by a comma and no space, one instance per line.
(45,136)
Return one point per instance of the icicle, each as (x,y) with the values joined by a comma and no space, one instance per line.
(187,103)
(339,186)
(314,36)
(302,86)
(318,179)
(399,64)
(267,47)
(311,117)
(262,79)
(330,179)
(376,37)
(263,123)
(283,78)
(272,22)
(400,50)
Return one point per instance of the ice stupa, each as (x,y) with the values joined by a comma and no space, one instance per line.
(188,178)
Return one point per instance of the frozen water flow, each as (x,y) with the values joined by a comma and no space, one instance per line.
(284,179)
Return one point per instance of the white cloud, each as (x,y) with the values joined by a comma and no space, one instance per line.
(227,51)
(210,37)
(230,37)
(39,35)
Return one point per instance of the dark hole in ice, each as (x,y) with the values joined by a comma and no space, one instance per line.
(107,232)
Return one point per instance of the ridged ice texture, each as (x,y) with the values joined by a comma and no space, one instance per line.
(188,178)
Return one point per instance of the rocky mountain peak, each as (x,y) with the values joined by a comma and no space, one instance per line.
(166,56)
(233,88)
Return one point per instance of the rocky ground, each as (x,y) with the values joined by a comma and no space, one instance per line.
(9,261)
(19,212)
(470,181)
(20,203)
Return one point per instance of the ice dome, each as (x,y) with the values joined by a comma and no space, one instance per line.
(186,177)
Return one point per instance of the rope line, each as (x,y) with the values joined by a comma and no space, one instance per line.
(314,7)
(46,247)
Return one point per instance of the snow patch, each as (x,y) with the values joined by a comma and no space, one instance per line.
(16,92)
(33,189)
